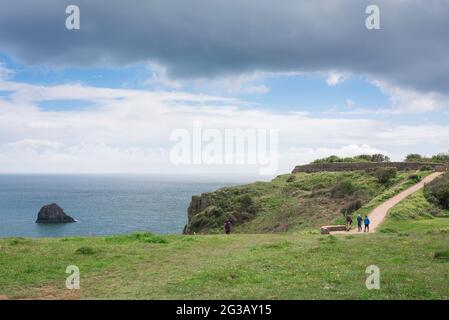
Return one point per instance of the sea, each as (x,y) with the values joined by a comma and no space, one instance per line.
(101,204)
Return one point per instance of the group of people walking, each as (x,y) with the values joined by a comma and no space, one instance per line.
(360,221)
(228,223)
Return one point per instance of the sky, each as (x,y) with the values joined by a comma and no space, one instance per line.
(112,96)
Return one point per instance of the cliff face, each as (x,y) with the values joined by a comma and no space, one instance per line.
(208,211)
(197,204)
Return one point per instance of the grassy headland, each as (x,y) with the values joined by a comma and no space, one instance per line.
(411,250)
(298,201)
(411,254)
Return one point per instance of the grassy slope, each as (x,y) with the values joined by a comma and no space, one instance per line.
(294,265)
(414,214)
(296,205)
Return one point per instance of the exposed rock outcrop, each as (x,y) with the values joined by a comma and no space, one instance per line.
(207,212)
(52,213)
(198,204)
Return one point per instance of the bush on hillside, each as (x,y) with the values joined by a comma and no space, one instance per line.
(437,191)
(352,207)
(379,158)
(384,175)
(414,157)
(201,222)
(247,204)
(343,188)
(414,177)
(138,236)
(441,158)
(215,212)
(442,254)
(246,201)
(85,251)
(438,158)
(359,158)
(435,212)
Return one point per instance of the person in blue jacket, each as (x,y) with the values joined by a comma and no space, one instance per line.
(367,222)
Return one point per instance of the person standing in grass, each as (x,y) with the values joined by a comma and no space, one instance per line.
(367,222)
(228,226)
(359,222)
(348,221)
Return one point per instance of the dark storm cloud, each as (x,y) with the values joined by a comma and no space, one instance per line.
(220,37)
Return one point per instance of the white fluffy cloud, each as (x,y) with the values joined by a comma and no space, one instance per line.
(129,130)
(160,77)
(403,101)
(411,101)
(335,78)
(244,83)
(306,155)
(5,73)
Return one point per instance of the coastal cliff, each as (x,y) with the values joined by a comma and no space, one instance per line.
(293,201)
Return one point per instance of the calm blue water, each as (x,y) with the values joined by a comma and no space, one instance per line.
(103,205)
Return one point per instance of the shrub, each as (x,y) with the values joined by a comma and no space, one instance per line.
(426,168)
(239,217)
(388,230)
(247,204)
(384,175)
(352,206)
(343,188)
(246,201)
(414,157)
(147,237)
(16,241)
(291,178)
(215,212)
(441,255)
(441,157)
(85,251)
(414,177)
(435,212)
(201,222)
(359,158)
(379,158)
(437,191)
(330,159)
(438,158)
(139,236)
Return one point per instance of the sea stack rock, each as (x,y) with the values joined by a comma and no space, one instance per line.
(52,213)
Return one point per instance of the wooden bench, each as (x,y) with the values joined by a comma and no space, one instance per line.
(329,229)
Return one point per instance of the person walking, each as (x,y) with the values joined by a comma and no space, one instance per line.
(348,222)
(228,226)
(367,222)
(359,222)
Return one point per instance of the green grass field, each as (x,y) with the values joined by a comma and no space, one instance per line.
(412,254)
